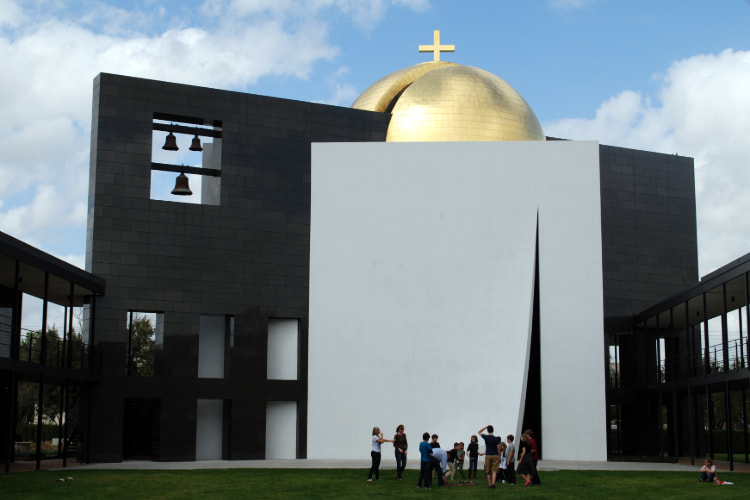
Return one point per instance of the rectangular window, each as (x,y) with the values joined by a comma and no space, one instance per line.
(281,429)
(214,335)
(209,429)
(145,336)
(283,337)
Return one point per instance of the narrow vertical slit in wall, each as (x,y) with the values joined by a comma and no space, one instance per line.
(532,413)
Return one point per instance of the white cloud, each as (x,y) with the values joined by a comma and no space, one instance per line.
(568,5)
(415,5)
(224,59)
(703,111)
(11,14)
(343,94)
(51,55)
(366,14)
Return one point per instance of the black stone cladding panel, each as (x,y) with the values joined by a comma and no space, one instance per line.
(247,257)
(649,231)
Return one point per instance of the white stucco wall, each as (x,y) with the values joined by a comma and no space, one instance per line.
(421,286)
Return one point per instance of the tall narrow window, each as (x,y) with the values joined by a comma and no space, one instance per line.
(144,338)
(209,429)
(282,349)
(281,429)
(212,342)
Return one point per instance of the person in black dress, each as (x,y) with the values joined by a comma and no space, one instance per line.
(525,464)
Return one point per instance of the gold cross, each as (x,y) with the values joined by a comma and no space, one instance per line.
(436,48)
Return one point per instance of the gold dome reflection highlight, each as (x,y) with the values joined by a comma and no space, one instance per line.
(442,101)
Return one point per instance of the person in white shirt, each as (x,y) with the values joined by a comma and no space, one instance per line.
(377,440)
(439,461)
(708,471)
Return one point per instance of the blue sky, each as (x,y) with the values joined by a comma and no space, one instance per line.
(661,75)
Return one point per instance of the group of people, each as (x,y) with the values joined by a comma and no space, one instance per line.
(499,465)
(501,457)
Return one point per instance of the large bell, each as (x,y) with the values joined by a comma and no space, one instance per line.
(196,145)
(181,186)
(171,143)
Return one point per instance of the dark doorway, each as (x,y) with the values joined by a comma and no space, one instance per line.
(140,439)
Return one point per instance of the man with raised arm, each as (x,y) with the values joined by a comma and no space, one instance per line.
(492,454)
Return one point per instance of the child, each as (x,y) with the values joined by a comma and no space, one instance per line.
(425,469)
(452,457)
(503,463)
(460,459)
(708,471)
(473,457)
(434,443)
(510,460)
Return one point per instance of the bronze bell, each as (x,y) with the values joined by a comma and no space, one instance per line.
(196,145)
(171,143)
(181,186)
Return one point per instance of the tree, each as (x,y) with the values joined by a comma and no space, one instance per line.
(717,405)
(31,344)
(28,392)
(142,347)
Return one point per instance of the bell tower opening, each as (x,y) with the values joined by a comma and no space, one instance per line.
(186,159)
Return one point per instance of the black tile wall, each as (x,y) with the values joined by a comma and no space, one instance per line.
(649,232)
(246,257)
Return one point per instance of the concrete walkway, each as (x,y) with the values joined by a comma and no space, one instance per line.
(544,465)
(387,465)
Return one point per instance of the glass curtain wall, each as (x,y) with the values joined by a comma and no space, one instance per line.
(694,360)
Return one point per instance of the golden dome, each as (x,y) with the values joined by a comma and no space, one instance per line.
(443,101)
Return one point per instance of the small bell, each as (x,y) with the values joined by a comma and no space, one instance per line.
(196,145)
(181,186)
(171,143)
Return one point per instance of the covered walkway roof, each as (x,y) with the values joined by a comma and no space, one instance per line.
(705,299)
(33,265)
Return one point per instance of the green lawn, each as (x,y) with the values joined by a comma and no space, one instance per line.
(351,483)
(724,457)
